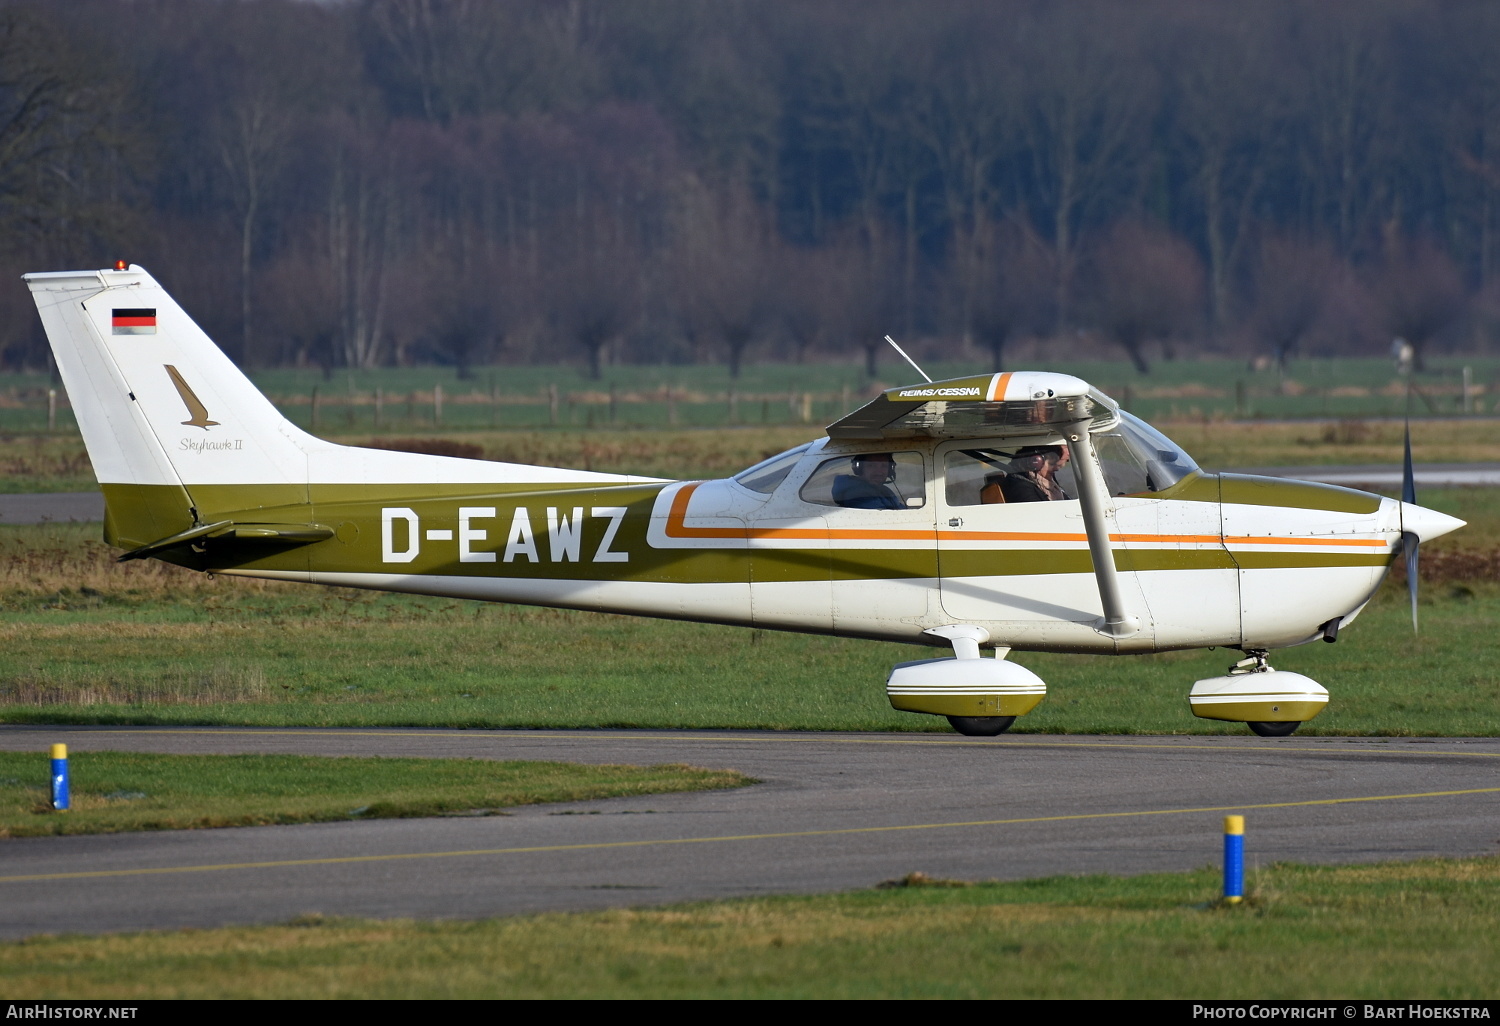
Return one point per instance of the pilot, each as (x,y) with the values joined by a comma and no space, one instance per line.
(869,487)
(1033,476)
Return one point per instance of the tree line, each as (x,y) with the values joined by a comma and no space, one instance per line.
(465,182)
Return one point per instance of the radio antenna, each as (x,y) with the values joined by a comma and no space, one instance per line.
(908,359)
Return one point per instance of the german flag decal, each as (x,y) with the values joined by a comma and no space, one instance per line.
(133,322)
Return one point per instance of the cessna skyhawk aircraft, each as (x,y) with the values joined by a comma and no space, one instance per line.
(910,521)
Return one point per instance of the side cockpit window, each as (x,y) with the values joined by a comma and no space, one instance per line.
(875,480)
(766,476)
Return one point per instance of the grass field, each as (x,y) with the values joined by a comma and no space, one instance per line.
(120,791)
(1426,929)
(776,394)
(84,639)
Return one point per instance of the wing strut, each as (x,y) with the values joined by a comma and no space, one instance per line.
(1092,491)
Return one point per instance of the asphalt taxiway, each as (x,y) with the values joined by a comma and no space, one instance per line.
(832,811)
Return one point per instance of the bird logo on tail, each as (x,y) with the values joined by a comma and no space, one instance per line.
(196,410)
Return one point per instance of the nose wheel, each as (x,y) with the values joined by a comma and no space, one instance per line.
(1272,703)
(981,726)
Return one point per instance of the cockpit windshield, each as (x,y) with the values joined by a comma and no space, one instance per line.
(1138,458)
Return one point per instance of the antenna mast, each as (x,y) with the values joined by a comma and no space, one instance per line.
(908,359)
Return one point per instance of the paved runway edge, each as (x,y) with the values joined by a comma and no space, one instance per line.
(832,813)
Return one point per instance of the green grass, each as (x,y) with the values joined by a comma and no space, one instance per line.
(86,640)
(1426,929)
(119,791)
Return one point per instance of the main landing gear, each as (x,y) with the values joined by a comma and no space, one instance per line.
(980,697)
(1272,703)
(1276,728)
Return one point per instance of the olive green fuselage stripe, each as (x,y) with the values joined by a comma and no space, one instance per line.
(354,513)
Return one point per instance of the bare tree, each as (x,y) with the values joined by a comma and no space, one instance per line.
(1228,92)
(1085,109)
(862,289)
(1420,292)
(1002,276)
(1293,278)
(1148,285)
(594,296)
(808,300)
(1345,74)
(726,274)
(59,133)
(305,319)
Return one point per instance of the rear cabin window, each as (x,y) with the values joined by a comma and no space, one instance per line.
(971,477)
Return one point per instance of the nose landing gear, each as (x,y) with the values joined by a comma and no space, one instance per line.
(1272,703)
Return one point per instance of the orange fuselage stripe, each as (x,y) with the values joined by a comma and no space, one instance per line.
(997,391)
(677,528)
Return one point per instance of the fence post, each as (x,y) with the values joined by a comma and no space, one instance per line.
(552,404)
(437,405)
(315,400)
(614,401)
(379,406)
(52,405)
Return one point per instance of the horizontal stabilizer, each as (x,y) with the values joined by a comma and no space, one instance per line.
(287,535)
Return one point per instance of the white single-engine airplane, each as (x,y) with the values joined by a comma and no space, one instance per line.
(911,521)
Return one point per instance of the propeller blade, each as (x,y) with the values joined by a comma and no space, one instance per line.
(1408,476)
(1409,544)
(1410,541)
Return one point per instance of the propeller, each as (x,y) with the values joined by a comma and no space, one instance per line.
(1410,540)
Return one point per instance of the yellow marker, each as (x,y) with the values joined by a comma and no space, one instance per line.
(60,796)
(1234,859)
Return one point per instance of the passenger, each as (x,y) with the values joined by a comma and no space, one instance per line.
(1033,476)
(869,486)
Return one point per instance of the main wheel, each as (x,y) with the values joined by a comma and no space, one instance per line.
(981,726)
(1275,728)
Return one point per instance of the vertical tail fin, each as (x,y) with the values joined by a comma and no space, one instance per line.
(162,410)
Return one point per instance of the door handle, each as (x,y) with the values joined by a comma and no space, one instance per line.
(955,521)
